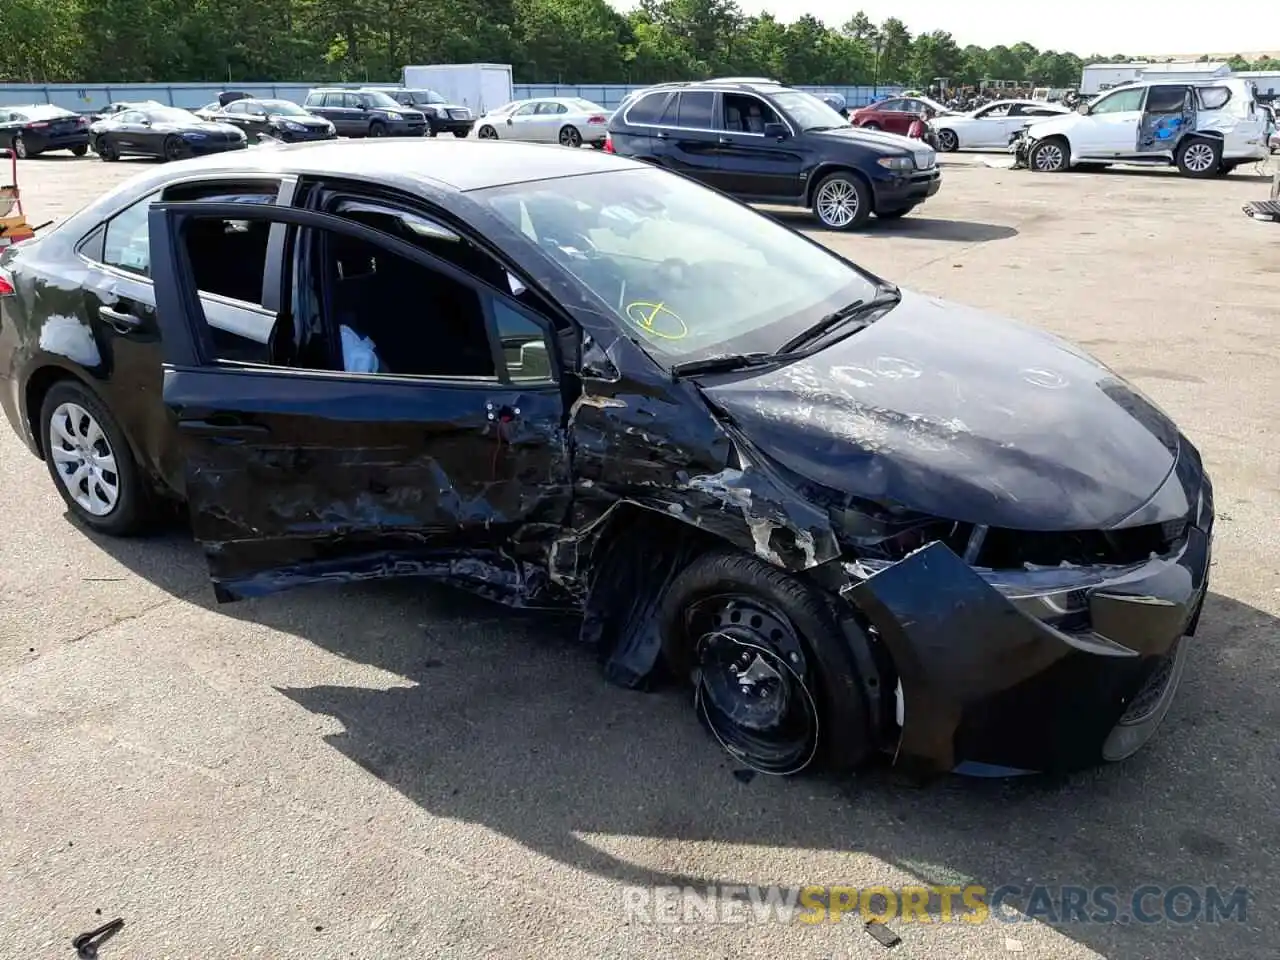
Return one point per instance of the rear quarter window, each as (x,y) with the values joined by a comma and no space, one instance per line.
(1214,98)
(647,109)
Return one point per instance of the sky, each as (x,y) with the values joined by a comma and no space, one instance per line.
(1080,26)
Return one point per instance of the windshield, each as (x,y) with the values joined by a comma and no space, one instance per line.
(807,111)
(171,115)
(426,96)
(285,108)
(379,99)
(687,272)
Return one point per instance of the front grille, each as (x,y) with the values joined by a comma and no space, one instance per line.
(925,159)
(1010,549)
(460,114)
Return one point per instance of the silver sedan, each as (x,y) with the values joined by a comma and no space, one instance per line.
(569,121)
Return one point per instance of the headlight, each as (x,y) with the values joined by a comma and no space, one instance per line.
(394,116)
(192,135)
(293,125)
(896,163)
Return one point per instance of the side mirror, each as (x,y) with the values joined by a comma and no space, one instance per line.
(778,131)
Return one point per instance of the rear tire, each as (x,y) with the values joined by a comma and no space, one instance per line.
(570,137)
(728,609)
(1199,157)
(842,201)
(78,456)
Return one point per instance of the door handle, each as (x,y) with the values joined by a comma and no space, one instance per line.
(725,140)
(122,321)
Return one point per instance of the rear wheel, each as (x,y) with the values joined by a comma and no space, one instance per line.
(948,142)
(1050,156)
(570,137)
(1199,157)
(90,461)
(772,679)
(79,151)
(842,201)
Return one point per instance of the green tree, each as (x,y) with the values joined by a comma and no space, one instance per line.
(935,55)
(895,51)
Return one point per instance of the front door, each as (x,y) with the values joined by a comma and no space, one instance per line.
(1111,128)
(752,165)
(1169,112)
(522,124)
(391,431)
(992,126)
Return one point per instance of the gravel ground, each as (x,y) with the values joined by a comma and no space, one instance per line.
(395,770)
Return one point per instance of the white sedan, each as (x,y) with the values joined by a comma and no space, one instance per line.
(990,127)
(569,121)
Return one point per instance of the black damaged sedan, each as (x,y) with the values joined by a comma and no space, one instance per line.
(858,520)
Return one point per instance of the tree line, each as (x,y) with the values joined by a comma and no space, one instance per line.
(558,41)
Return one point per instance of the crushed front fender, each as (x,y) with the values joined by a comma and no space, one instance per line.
(1036,670)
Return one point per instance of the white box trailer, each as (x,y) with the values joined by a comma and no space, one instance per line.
(479,86)
(1097,77)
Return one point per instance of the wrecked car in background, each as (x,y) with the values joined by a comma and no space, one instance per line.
(857,519)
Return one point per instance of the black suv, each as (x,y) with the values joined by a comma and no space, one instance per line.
(442,116)
(365,113)
(765,143)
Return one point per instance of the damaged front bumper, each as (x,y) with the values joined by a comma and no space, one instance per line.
(1006,672)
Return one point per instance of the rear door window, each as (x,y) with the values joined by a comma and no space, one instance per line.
(1167,99)
(696,110)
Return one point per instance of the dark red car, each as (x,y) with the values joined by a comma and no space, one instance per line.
(896,114)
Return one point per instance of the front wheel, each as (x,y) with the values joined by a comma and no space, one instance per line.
(773,681)
(842,201)
(487,133)
(106,150)
(1049,156)
(90,461)
(948,142)
(379,129)
(1199,158)
(79,151)
(570,137)
(174,149)
(460,134)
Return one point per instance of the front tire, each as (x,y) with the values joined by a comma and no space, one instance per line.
(842,201)
(570,137)
(461,134)
(1199,158)
(174,149)
(1050,156)
(948,141)
(773,680)
(379,129)
(90,461)
(79,151)
(106,150)
(487,133)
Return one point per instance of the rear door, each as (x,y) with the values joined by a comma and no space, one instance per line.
(693,140)
(1168,113)
(388,434)
(895,116)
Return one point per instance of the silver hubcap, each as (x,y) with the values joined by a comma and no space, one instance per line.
(85,462)
(1198,158)
(837,203)
(1049,157)
(948,140)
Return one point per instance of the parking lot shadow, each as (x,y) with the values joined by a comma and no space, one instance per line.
(508,723)
(910,227)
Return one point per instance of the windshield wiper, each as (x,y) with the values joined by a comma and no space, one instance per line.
(886,296)
(728,362)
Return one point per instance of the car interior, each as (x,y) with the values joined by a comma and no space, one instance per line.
(746,114)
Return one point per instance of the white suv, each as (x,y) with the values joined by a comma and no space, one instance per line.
(1207,129)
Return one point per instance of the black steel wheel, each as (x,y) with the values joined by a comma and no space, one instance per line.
(175,149)
(772,676)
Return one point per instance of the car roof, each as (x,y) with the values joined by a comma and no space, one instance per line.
(458,165)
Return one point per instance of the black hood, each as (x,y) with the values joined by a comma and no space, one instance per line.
(954,413)
(879,140)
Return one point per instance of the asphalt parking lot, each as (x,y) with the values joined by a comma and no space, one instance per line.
(393,770)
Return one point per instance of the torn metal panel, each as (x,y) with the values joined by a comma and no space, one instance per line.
(988,674)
